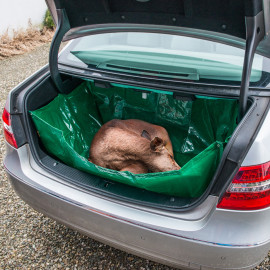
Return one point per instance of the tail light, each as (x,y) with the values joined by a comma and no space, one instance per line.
(249,190)
(8,133)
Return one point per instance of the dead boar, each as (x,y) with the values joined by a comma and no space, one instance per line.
(133,145)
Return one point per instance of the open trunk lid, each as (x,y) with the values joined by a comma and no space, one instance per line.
(241,20)
(224,16)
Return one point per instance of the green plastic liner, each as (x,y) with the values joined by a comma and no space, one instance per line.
(198,131)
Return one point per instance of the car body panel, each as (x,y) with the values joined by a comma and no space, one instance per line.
(259,151)
(218,239)
(192,224)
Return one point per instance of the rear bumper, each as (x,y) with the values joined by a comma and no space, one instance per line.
(180,250)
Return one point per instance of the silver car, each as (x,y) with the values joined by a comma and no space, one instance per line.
(227,44)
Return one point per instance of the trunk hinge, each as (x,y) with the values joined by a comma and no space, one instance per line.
(63,27)
(255,32)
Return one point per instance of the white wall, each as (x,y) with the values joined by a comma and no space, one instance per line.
(15,14)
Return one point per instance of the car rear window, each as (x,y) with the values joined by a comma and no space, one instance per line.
(165,56)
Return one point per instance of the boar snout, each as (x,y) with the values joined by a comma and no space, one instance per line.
(161,160)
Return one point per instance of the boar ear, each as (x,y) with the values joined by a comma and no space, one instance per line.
(146,135)
(156,144)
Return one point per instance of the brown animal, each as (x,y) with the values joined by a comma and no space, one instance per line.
(133,145)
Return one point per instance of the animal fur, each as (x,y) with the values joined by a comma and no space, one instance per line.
(133,145)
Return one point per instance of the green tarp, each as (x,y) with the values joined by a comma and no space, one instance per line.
(198,131)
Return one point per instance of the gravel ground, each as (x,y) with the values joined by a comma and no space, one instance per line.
(29,240)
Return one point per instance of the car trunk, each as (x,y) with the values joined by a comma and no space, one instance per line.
(230,22)
(211,124)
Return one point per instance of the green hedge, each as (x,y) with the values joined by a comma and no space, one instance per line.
(48,20)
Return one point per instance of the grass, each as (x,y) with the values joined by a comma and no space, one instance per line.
(24,41)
